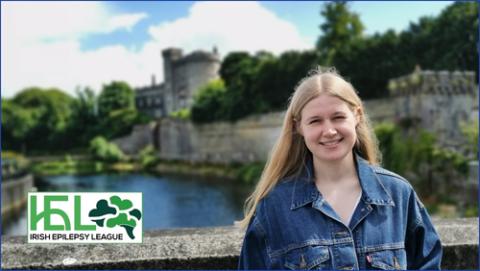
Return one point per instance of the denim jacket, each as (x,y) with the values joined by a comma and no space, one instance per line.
(295,228)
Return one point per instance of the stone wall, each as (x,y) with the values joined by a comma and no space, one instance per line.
(247,140)
(14,194)
(141,136)
(200,248)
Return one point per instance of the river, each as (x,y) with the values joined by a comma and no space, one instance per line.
(168,201)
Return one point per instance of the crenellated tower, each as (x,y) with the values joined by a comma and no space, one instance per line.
(438,101)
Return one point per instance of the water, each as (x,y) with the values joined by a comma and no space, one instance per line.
(168,202)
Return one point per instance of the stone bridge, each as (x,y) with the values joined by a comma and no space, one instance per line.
(200,248)
(14,194)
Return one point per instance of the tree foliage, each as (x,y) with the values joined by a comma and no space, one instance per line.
(418,157)
(340,29)
(447,42)
(208,103)
(48,120)
(263,82)
(114,96)
(36,119)
(103,150)
(84,123)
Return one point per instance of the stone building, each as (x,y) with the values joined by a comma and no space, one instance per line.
(183,76)
(437,101)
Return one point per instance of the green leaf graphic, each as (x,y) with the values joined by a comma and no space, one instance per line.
(121,204)
(136,213)
(121,220)
(102,209)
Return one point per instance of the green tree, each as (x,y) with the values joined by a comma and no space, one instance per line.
(445,42)
(117,111)
(48,112)
(380,53)
(340,29)
(277,77)
(17,123)
(454,37)
(114,96)
(119,122)
(84,122)
(209,102)
(238,70)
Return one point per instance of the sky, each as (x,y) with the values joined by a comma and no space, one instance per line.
(73,45)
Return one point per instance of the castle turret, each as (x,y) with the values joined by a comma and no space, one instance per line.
(170,56)
(438,101)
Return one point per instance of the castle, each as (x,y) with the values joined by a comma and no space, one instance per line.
(437,101)
(183,76)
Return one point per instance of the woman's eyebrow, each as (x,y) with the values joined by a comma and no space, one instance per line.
(313,117)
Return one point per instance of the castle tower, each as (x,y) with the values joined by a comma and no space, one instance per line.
(170,56)
(437,101)
(194,70)
(185,75)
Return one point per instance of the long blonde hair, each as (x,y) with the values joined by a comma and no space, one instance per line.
(289,152)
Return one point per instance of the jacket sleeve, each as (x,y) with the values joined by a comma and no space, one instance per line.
(254,249)
(423,246)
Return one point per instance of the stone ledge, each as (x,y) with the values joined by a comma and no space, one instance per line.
(197,248)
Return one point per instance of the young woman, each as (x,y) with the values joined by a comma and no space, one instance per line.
(324,203)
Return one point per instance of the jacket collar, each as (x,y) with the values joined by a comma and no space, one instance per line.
(373,191)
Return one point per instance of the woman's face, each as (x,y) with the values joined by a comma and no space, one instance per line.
(328,127)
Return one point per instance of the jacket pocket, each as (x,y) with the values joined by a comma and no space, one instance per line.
(392,259)
(312,257)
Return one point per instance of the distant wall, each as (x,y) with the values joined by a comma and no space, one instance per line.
(246,140)
(141,136)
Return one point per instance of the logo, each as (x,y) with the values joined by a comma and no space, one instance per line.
(85,218)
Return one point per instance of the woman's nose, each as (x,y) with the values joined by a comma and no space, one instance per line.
(330,131)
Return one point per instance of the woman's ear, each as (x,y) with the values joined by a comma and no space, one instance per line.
(358,115)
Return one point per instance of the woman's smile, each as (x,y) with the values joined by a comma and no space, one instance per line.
(331,143)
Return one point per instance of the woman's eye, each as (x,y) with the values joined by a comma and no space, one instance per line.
(339,117)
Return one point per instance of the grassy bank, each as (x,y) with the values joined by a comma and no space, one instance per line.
(246,174)
(80,167)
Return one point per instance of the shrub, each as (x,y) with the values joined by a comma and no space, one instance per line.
(103,150)
(148,157)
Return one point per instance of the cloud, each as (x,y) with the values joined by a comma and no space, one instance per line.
(43,21)
(41,45)
(41,41)
(126,21)
(231,26)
